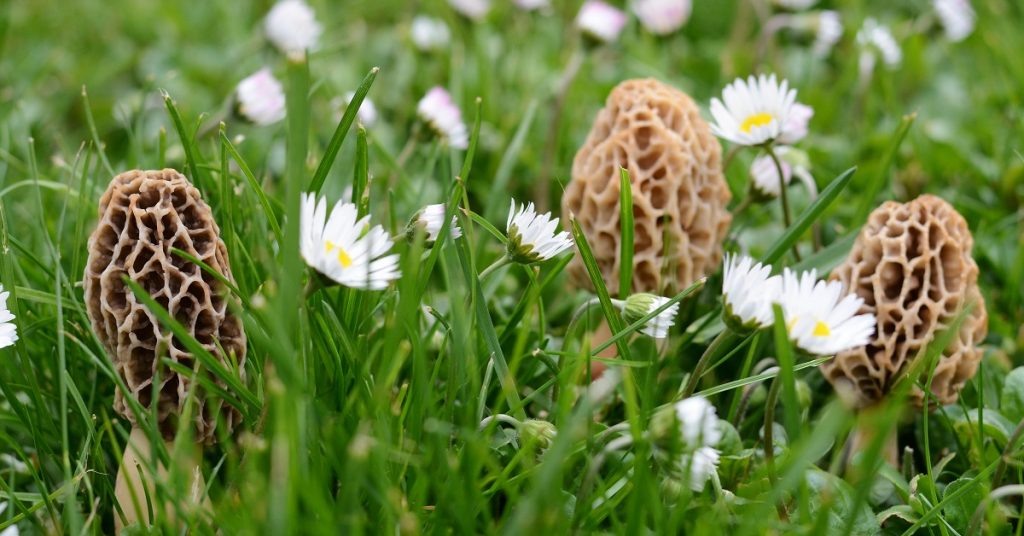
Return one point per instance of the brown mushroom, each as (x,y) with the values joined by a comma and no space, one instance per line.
(143,214)
(679,192)
(912,266)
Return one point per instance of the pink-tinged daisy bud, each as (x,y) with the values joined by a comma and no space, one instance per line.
(367,113)
(754,111)
(474,10)
(259,98)
(428,33)
(957,18)
(765,176)
(600,21)
(662,17)
(292,27)
(438,110)
(532,5)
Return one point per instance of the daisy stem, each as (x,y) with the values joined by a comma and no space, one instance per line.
(730,156)
(503,261)
(501,417)
(786,216)
(705,358)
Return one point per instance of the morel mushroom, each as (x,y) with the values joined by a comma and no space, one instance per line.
(912,266)
(679,191)
(143,215)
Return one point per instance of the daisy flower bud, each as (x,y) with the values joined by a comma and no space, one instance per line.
(662,17)
(541,433)
(819,319)
(346,250)
(438,110)
(698,422)
(428,33)
(532,237)
(701,464)
(367,113)
(640,305)
(259,98)
(957,18)
(748,291)
(474,10)
(292,27)
(754,111)
(764,176)
(431,219)
(828,31)
(600,21)
(877,40)
(8,330)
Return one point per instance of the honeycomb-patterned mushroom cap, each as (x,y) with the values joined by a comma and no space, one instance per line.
(912,266)
(679,193)
(143,214)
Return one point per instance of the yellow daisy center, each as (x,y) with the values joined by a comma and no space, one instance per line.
(343,259)
(821,329)
(756,120)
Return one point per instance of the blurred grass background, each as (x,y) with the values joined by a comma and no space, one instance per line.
(965,144)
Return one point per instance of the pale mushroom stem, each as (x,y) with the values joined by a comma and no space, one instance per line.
(866,432)
(135,488)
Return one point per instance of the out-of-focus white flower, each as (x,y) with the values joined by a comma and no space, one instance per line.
(471,9)
(957,18)
(876,39)
(438,110)
(367,113)
(637,306)
(662,17)
(795,4)
(532,237)
(530,5)
(795,128)
(820,320)
(600,21)
(350,252)
(755,111)
(748,291)
(431,219)
(828,31)
(259,98)
(702,463)
(292,27)
(8,331)
(13,529)
(698,423)
(428,33)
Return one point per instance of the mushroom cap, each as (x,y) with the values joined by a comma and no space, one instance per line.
(143,214)
(679,192)
(912,266)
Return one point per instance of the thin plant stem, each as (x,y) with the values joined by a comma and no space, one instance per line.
(787,218)
(503,261)
(702,363)
(542,187)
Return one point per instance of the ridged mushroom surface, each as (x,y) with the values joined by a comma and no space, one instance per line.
(143,214)
(679,192)
(912,265)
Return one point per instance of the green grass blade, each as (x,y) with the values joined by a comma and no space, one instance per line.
(626,230)
(808,216)
(338,138)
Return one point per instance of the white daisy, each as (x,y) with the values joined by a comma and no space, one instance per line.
(8,330)
(471,9)
(828,32)
(662,17)
(431,219)
(820,320)
(530,5)
(438,110)
(640,305)
(755,111)
(876,39)
(367,113)
(291,25)
(698,423)
(350,252)
(957,18)
(702,463)
(748,291)
(259,98)
(428,33)
(796,125)
(532,237)
(600,21)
